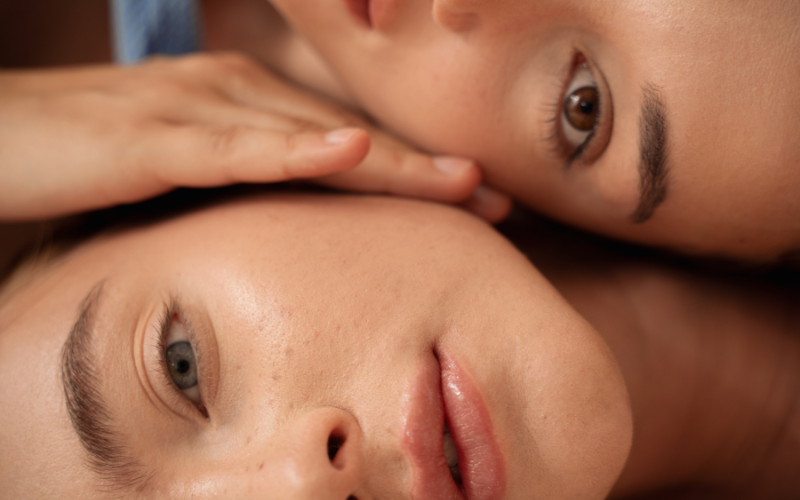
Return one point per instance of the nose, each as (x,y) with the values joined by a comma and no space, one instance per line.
(459,16)
(319,456)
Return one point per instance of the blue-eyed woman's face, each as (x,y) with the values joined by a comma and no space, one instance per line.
(667,123)
(301,347)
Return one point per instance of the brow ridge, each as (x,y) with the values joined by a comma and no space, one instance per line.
(653,154)
(108,457)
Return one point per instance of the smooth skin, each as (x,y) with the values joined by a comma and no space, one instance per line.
(80,135)
(299,340)
(305,339)
(485,80)
(462,78)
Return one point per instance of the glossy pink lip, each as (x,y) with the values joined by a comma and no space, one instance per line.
(373,13)
(443,390)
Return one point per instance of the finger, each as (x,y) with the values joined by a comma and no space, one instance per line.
(199,156)
(254,86)
(489,204)
(408,173)
(221,113)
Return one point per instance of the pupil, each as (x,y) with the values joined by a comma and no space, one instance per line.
(182,366)
(587,107)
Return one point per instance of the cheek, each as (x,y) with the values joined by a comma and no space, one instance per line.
(440,99)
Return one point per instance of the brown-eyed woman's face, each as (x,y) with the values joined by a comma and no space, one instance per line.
(668,123)
(301,347)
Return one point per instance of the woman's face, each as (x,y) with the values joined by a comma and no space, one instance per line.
(350,328)
(668,123)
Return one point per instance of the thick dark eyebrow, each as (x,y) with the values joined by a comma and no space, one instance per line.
(653,168)
(108,457)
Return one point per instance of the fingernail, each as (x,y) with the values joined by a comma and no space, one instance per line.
(341,135)
(485,195)
(450,165)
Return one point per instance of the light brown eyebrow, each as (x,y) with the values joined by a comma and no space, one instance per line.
(653,154)
(108,457)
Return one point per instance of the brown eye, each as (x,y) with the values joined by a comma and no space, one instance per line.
(580,108)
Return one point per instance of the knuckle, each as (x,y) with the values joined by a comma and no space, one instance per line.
(346,118)
(238,61)
(162,87)
(224,141)
(304,127)
(291,143)
(203,63)
(406,163)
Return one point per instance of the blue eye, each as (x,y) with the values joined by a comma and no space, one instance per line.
(182,365)
(179,359)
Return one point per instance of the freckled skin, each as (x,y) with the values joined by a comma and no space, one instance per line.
(287,383)
(485,89)
(550,383)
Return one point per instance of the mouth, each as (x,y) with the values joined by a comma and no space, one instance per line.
(449,436)
(374,14)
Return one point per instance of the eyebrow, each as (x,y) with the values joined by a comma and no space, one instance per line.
(653,168)
(108,457)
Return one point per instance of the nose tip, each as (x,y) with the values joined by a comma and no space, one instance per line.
(323,456)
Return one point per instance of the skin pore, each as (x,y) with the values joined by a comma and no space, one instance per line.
(297,343)
(715,174)
(693,134)
(607,202)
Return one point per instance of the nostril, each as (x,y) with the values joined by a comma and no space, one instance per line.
(334,444)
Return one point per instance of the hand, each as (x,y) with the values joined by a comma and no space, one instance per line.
(79,139)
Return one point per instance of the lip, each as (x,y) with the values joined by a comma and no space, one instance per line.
(442,390)
(373,13)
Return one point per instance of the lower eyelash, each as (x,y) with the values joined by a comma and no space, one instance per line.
(170,309)
(554,108)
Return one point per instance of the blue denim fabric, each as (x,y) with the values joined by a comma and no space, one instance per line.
(146,27)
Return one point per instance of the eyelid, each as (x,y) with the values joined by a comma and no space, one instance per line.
(166,330)
(599,137)
(157,369)
(581,77)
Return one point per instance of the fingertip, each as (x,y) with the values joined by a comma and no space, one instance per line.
(355,142)
(489,204)
(452,166)
(318,155)
(459,178)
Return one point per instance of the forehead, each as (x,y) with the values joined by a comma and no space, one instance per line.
(42,457)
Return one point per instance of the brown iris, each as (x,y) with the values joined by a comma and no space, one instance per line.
(580,108)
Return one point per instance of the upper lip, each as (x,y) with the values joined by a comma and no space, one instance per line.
(442,390)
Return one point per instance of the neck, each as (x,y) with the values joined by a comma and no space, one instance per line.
(713,372)
(712,365)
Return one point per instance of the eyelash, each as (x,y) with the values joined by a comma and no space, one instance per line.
(555,109)
(170,310)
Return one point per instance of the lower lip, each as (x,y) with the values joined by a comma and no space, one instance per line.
(480,460)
